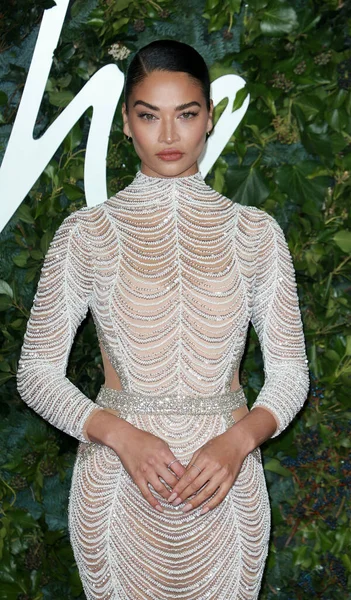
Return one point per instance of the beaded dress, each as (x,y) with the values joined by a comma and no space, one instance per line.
(172,272)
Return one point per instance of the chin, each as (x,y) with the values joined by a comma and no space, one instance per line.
(175,168)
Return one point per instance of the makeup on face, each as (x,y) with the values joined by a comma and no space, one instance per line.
(168,120)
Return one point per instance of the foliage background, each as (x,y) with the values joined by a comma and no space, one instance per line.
(291,157)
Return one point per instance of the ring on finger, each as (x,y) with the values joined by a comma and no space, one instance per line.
(196,467)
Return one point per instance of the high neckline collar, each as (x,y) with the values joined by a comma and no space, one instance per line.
(148,179)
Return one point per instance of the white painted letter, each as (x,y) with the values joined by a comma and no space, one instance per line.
(26,158)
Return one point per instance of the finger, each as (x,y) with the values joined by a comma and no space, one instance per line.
(167,477)
(189,483)
(143,487)
(195,486)
(192,461)
(217,499)
(157,484)
(214,486)
(176,467)
(160,480)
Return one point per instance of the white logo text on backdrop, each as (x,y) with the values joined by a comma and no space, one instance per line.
(26,158)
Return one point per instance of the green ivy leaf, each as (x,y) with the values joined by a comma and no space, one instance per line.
(73,192)
(218,180)
(36,254)
(96,23)
(278,19)
(5,288)
(24,519)
(211,5)
(75,583)
(50,85)
(234,5)
(5,303)
(77,170)
(347,562)
(323,144)
(294,180)
(3,98)
(337,119)
(239,98)
(5,377)
(21,259)
(256,5)
(73,139)
(310,105)
(123,4)
(61,99)
(5,367)
(274,465)
(64,81)
(51,171)
(16,324)
(343,240)
(45,241)
(119,24)
(10,591)
(246,185)
(24,213)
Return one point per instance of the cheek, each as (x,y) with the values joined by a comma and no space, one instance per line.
(195,135)
(144,136)
(141,140)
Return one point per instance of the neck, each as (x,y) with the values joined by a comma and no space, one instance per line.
(145,170)
(150,178)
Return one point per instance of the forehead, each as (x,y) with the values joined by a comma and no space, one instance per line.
(167,87)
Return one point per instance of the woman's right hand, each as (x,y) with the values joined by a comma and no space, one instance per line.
(145,457)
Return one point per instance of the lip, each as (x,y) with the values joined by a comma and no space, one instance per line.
(170,154)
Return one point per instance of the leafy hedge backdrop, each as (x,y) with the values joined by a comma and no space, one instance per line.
(290,157)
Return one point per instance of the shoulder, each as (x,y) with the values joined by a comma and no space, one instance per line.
(87,215)
(81,232)
(255,223)
(86,222)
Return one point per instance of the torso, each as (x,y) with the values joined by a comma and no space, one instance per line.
(170,301)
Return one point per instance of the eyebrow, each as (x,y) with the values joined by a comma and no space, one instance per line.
(180,107)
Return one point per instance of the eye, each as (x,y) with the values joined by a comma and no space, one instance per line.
(146,116)
(189,115)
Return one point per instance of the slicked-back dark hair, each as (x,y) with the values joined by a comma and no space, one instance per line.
(167,55)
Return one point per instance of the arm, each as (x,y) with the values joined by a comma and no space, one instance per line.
(60,304)
(277,320)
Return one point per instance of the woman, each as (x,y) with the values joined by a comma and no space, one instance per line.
(168,496)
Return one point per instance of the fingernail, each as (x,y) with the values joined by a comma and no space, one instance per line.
(177,501)
(187,507)
(159,507)
(204,510)
(172,496)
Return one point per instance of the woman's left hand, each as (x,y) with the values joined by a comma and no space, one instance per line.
(220,461)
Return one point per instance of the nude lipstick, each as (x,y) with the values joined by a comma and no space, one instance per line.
(170,154)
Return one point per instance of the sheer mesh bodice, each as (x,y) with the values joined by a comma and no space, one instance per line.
(172,272)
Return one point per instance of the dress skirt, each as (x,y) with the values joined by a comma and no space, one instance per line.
(127,550)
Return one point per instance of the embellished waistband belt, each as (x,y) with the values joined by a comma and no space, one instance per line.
(128,402)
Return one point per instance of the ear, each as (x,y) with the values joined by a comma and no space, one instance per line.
(210,117)
(126,129)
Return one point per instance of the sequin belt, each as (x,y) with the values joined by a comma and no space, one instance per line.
(128,402)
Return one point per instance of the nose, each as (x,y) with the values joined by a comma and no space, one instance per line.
(168,132)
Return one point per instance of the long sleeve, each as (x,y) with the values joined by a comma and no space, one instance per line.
(60,304)
(277,321)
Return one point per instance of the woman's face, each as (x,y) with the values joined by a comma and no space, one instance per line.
(167,114)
